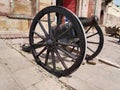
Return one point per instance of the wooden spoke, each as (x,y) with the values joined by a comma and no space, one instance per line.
(60,58)
(67,53)
(47,56)
(43,29)
(53,59)
(41,36)
(59,21)
(39,44)
(49,24)
(92,35)
(91,49)
(41,52)
(88,29)
(92,42)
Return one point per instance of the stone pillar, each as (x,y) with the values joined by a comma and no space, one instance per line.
(35,7)
(84,8)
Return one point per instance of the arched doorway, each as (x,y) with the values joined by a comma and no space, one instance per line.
(101,17)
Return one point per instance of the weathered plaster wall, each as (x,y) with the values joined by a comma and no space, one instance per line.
(4,6)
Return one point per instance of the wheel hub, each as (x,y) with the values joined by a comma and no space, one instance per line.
(50,42)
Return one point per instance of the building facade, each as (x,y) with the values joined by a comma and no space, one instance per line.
(16,14)
(113,15)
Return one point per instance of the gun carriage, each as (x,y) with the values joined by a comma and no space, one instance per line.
(60,41)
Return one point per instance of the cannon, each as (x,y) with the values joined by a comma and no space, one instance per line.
(59,40)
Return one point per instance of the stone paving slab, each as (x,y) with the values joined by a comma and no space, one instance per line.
(6,82)
(94,77)
(19,73)
(14,60)
(111,50)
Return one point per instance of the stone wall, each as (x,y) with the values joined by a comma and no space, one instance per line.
(113,15)
(13,24)
(91,8)
(22,7)
(112,21)
(85,8)
(19,9)
(44,3)
(4,6)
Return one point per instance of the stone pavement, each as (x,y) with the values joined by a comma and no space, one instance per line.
(111,50)
(102,76)
(18,71)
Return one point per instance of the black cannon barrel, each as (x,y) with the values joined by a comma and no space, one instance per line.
(89,21)
(69,27)
(85,21)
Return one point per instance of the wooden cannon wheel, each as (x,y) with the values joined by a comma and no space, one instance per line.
(48,46)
